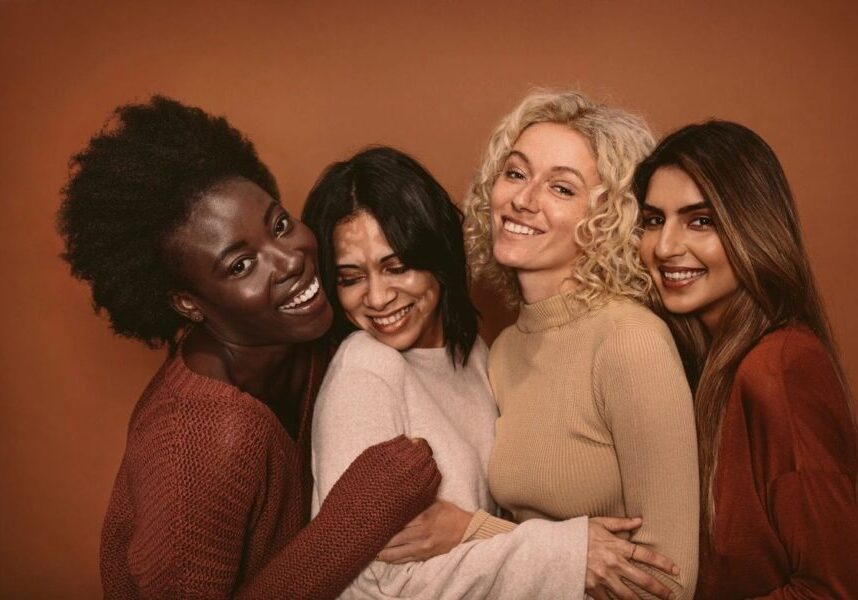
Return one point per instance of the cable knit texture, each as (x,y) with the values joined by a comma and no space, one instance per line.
(596,418)
(786,516)
(212,499)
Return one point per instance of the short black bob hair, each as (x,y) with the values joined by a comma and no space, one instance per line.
(129,190)
(420,222)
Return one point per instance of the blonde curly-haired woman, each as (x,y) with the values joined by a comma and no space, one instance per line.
(596,415)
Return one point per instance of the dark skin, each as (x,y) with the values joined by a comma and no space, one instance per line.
(250,272)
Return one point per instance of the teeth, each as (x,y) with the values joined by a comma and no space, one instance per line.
(681,275)
(519,229)
(309,293)
(390,320)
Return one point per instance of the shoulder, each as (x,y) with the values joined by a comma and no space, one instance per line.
(792,399)
(363,353)
(188,414)
(631,333)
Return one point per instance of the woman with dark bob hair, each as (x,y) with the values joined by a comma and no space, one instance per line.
(392,259)
(777,439)
(177,226)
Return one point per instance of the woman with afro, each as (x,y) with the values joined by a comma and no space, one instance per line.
(176,225)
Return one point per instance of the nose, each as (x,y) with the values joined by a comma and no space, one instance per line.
(286,263)
(379,293)
(525,199)
(670,242)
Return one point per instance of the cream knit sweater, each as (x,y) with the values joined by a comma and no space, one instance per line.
(372,393)
(596,419)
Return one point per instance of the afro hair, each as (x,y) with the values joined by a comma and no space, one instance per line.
(131,187)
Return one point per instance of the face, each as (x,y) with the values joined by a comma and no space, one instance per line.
(682,249)
(250,269)
(396,305)
(538,200)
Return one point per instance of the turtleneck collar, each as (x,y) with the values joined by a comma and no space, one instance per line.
(550,312)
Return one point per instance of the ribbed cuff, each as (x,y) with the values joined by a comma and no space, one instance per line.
(483,526)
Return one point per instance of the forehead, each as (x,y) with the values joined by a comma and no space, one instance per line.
(230,211)
(551,145)
(672,188)
(360,239)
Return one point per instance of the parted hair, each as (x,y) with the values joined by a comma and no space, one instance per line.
(609,234)
(419,220)
(755,217)
(129,190)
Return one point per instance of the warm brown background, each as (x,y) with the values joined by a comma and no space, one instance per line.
(311,82)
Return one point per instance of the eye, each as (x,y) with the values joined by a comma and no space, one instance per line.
(653,221)
(563,190)
(241,266)
(513,174)
(347,279)
(282,225)
(702,222)
(397,269)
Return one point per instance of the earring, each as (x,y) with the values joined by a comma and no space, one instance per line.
(197,318)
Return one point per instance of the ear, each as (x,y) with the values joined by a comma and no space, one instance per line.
(186,305)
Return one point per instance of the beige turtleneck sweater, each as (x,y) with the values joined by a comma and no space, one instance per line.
(596,419)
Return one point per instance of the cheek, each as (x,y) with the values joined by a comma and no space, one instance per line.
(350,298)
(648,242)
(424,287)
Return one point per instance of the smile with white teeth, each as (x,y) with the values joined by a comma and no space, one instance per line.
(513,227)
(308,294)
(682,275)
(391,319)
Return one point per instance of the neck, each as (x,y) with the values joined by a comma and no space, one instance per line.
(539,285)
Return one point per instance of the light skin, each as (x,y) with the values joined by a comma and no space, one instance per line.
(536,203)
(682,249)
(395,304)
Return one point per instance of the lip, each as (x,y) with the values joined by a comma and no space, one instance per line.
(516,222)
(316,301)
(396,326)
(690,275)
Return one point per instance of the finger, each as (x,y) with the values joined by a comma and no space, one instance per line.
(397,555)
(599,593)
(614,524)
(651,557)
(646,582)
(620,589)
(407,536)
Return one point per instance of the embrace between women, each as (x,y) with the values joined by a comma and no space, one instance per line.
(332,368)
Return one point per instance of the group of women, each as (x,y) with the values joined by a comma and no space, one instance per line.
(666,418)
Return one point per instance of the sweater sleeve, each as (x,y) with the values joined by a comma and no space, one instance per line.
(195,501)
(812,506)
(647,406)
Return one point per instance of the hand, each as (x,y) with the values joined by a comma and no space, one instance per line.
(436,530)
(608,560)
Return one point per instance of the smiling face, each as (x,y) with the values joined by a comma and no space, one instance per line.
(394,304)
(250,269)
(537,202)
(682,249)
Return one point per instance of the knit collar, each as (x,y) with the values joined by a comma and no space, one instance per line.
(551,312)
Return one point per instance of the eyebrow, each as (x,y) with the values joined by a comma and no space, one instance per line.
(384,259)
(242,242)
(559,168)
(684,210)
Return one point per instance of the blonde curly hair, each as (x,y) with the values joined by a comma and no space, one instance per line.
(608,265)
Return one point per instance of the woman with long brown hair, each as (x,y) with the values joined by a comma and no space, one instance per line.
(777,437)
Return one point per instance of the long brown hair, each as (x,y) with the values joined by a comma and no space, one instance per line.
(755,217)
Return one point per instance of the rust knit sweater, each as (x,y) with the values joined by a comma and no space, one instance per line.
(212,499)
(786,518)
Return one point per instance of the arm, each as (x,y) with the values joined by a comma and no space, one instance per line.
(647,406)
(812,506)
(205,482)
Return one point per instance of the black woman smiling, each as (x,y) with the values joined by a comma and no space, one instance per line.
(175,223)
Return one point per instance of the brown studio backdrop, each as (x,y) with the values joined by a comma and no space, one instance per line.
(311,83)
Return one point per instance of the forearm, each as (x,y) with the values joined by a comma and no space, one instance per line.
(383,489)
